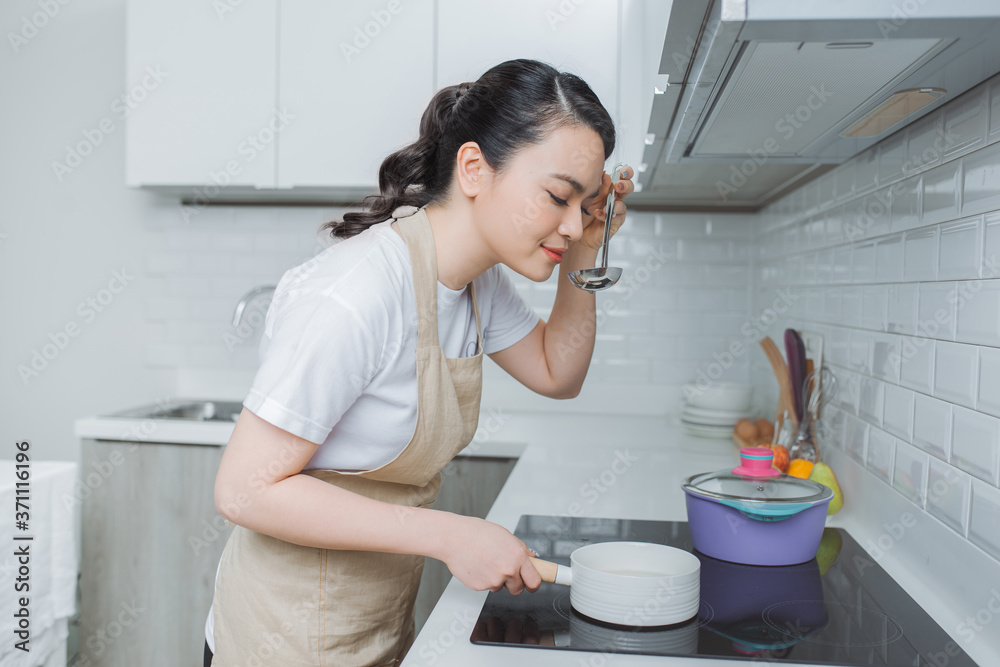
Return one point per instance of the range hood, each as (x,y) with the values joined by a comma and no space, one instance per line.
(757,96)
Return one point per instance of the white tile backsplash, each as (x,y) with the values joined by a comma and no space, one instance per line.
(960,250)
(949,495)
(985,518)
(898,411)
(976,444)
(905,212)
(916,369)
(932,425)
(852,305)
(885,357)
(873,308)
(881,450)
(922,153)
(901,312)
(955,369)
(870,404)
(936,310)
(991,246)
(911,310)
(988,395)
(940,195)
(965,123)
(889,259)
(864,267)
(981,185)
(856,439)
(909,475)
(920,254)
(978,306)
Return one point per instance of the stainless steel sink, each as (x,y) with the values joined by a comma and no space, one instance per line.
(192,410)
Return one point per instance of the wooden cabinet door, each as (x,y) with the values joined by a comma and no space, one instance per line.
(151,542)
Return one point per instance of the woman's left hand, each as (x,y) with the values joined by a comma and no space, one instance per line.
(593,225)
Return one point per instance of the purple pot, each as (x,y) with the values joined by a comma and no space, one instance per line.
(756,520)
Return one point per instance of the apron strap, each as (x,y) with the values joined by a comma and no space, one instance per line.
(475,309)
(416,231)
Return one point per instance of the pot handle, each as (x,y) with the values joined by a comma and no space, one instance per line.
(553,573)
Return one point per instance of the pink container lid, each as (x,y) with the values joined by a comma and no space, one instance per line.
(756,462)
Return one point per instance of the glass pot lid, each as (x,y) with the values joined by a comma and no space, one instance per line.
(724,485)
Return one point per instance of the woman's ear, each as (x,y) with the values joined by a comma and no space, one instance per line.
(471,171)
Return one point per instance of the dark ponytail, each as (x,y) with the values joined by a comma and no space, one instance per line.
(510,106)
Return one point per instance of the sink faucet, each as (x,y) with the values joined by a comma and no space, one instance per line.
(246,298)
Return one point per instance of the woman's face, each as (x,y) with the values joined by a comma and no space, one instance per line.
(533,211)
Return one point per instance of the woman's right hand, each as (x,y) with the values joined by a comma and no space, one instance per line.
(486,556)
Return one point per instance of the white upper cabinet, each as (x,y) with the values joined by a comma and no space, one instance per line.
(644,27)
(201,93)
(356,76)
(313,95)
(579,38)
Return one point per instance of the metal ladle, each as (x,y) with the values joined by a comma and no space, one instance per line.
(602,277)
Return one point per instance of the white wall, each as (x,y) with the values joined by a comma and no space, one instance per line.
(895,258)
(61,240)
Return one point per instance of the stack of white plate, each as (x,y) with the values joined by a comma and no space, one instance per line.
(713,410)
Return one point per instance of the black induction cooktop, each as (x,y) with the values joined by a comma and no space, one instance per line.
(841,608)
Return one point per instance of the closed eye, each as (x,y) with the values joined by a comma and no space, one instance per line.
(561,202)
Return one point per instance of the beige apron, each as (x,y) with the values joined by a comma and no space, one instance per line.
(278,603)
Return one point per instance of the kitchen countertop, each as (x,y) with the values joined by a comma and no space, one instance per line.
(614,466)
(632,467)
(214,433)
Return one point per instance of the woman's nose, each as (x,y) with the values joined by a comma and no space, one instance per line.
(571,225)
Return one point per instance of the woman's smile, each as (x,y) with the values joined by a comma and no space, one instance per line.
(555,254)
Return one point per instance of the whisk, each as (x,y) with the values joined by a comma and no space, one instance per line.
(818,389)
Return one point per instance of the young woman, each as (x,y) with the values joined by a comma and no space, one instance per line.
(371,373)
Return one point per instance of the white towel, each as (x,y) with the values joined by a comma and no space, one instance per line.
(53,558)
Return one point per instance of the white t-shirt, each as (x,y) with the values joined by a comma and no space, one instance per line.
(337,357)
